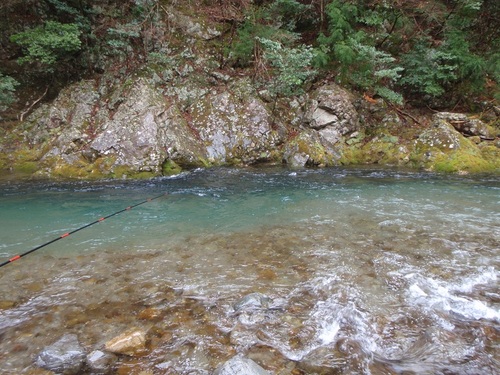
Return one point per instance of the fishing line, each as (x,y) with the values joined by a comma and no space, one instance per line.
(78,229)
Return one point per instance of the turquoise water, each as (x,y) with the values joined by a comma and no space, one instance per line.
(369,271)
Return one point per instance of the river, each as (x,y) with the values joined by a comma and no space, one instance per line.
(359,271)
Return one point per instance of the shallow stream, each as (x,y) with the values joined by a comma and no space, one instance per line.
(360,271)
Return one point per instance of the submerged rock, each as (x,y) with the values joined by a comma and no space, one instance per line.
(240,365)
(252,301)
(100,362)
(131,342)
(65,356)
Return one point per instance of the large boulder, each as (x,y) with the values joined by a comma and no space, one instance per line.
(442,148)
(466,125)
(332,107)
(309,148)
(329,118)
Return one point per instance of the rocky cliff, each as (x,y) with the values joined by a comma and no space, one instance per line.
(159,120)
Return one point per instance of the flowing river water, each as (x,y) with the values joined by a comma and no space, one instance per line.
(358,271)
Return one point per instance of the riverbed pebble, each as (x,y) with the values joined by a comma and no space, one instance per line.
(131,342)
(239,365)
(100,362)
(252,301)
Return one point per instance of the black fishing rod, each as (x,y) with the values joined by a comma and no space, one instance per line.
(77,230)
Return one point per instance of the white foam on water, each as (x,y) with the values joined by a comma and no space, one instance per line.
(328,332)
(437,295)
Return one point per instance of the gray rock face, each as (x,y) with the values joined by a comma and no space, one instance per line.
(234,127)
(66,356)
(132,127)
(181,145)
(240,365)
(136,132)
(331,106)
(65,123)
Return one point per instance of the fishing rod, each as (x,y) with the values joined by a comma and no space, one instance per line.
(78,229)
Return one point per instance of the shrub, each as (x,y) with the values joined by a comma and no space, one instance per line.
(292,66)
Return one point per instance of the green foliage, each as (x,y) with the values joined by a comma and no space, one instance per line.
(7,89)
(450,69)
(342,16)
(428,70)
(363,46)
(292,66)
(492,66)
(353,54)
(48,44)
(470,67)
(376,70)
(286,14)
(242,51)
(119,38)
(273,22)
(276,21)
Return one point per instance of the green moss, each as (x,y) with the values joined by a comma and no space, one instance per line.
(170,167)
(468,157)
(26,167)
(491,153)
(463,162)
(316,151)
(352,155)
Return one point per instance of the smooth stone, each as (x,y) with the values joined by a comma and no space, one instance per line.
(239,365)
(131,342)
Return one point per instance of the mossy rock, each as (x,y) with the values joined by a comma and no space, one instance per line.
(384,149)
(462,156)
(352,155)
(307,149)
(26,167)
(170,167)
(123,171)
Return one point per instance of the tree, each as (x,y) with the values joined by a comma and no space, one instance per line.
(7,89)
(354,53)
(49,44)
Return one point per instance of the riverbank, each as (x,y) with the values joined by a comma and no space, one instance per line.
(143,134)
(184,108)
